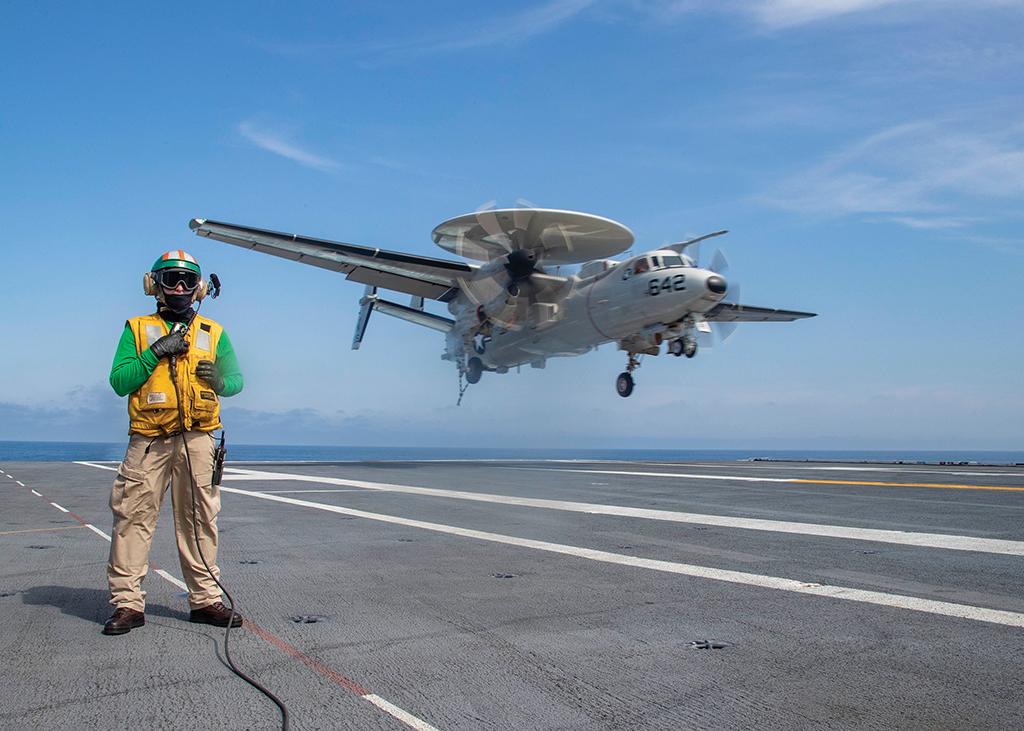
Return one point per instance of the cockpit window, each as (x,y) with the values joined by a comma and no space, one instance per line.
(669,260)
(641,266)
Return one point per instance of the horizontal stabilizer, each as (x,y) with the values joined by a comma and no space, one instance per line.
(683,244)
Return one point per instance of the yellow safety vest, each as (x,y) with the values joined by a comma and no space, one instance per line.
(153,408)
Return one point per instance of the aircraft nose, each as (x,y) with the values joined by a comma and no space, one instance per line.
(716,284)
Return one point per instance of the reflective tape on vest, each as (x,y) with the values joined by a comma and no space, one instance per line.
(153,333)
(203,340)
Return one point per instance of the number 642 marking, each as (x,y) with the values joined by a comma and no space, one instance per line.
(668,284)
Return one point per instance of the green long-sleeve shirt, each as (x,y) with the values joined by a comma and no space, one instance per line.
(130,371)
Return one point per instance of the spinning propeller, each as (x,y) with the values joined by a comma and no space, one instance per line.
(523,260)
(719,264)
(514,241)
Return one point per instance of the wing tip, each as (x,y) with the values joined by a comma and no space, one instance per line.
(196,223)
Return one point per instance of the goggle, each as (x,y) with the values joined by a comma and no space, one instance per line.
(171,278)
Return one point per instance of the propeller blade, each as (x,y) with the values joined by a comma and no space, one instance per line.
(488,221)
(732,294)
(725,329)
(522,215)
(719,264)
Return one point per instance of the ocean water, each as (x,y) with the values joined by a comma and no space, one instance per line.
(114,451)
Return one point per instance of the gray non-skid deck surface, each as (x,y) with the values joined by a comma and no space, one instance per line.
(420,618)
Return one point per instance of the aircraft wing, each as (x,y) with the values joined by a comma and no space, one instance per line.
(731,312)
(422,276)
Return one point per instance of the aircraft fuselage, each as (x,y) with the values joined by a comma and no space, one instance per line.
(618,304)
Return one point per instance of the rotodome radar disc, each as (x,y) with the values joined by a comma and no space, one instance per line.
(560,237)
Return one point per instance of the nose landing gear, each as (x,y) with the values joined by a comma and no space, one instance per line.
(624,383)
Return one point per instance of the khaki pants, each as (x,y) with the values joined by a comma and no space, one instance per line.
(150,466)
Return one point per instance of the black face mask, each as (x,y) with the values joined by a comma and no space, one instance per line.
(176,307)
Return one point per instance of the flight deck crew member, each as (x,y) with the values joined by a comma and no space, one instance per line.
(206,370)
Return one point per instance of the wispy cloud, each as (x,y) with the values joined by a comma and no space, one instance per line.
(932,224)
(785,14)
(925,175)
(279,144)
(507,29)
(497,30)
(788,13)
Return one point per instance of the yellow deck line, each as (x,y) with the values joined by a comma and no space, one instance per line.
(945,486)
(40,530)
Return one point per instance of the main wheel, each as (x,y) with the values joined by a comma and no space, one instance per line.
(689,347)
(624,384)
(676,347)
(474,369)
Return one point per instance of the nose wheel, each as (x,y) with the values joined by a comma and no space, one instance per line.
(624,383)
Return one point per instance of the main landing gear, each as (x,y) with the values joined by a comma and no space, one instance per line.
(685,345)
(624,383)
(474,369)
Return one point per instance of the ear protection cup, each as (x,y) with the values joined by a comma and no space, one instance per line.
(201,290)
(149,284)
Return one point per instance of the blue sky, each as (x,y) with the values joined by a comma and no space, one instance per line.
(867,156)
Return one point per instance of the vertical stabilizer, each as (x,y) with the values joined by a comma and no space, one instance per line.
(366,307)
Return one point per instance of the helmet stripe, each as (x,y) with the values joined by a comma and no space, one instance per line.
(179,254)
(176,257)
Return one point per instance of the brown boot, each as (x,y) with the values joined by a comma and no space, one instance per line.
(123,620)
(216,614)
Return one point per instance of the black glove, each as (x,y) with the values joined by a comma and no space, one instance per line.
(209,372)
(173,344)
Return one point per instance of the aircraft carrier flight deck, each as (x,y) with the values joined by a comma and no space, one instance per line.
(535,595)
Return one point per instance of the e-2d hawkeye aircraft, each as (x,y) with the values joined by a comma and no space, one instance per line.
(511,310)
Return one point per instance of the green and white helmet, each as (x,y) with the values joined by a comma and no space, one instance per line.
(176,259)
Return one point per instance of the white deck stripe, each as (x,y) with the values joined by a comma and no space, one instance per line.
(906,538)
(897,601)
(404,716)
(20,483)
(61,508)
(173,579)
(693,475)
(281,492)
(792,480)
(97,466)
(844,468)
(37,494)
(97,531)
